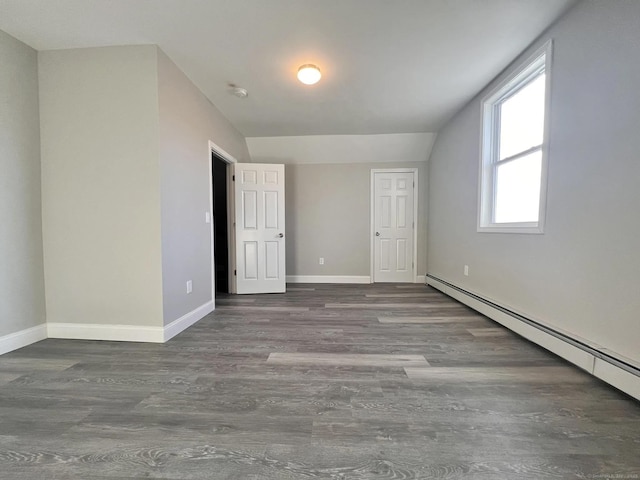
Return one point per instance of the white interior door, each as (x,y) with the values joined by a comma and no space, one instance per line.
(259,218)
(394,226)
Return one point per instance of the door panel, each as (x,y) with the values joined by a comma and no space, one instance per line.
(251,260)
(401,255)
(250,209)
(394,227)
(260,242)
(271,209)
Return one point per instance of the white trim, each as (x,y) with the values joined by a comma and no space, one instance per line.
(372,214)
(118,333)
(212,223)
(22,338)
(128,333)
(486,176)
(328,279)
(606,371)
(185,321)
(420,279)
(229,159)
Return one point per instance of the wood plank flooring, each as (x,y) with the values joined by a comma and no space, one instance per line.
(323,382)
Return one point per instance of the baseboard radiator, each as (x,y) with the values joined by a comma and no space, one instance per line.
(621,373)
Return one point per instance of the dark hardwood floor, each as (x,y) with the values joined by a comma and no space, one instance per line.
(325,381)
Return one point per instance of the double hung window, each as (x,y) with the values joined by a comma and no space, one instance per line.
(514,153)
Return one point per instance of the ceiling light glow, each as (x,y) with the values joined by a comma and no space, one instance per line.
(309,74)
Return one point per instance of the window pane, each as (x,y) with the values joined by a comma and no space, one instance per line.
(522,119)
(518,189)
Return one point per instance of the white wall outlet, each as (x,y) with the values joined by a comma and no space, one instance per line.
(321,261)
(466,270)
(207,217)
(189,286)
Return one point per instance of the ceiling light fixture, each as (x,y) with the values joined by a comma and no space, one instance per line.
(309,74)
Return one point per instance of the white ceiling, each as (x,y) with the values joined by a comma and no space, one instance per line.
(389,66)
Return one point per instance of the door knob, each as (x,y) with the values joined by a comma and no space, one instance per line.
(377,234)
(281,235)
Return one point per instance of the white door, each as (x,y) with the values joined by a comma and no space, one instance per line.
(393,226)
(259,226)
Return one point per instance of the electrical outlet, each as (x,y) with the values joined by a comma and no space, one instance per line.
(189,286)
(321,261)
(466,270)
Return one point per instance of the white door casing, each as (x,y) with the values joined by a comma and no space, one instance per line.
(394,219)
(259,226)
(229,159)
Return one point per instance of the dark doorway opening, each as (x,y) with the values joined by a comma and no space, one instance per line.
(220,225)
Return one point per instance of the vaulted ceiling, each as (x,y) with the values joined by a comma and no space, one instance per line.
(389,66)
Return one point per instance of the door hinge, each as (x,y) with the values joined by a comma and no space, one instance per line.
(235,272)
(233,178)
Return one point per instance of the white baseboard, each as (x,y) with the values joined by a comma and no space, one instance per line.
(115,333)
(340,279)
(328,279)
(185,321)
(22,338)
(127,333)
(608,372)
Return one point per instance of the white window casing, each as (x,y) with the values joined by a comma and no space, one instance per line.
(523,218)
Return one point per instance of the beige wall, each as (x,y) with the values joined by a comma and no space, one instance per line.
(21,267)
(581,275)
(125,138)
(328,195)
(328,214)
(187,122)
(100,185)
(345,149)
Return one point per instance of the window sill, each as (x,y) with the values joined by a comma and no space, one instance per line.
(523,228)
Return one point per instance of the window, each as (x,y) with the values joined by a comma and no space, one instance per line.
(514,153)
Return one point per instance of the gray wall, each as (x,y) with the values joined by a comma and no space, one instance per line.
(100,185)
(581,275)
(22,302)
(187,122)
(328,195)
(328,211)
(125,138)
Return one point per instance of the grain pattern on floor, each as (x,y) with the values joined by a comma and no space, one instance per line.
(355,359)
(488,332)
(432,319)
(313,384)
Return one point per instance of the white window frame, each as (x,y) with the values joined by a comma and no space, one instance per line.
(489,143)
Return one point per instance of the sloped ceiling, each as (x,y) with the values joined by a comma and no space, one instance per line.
(388,66)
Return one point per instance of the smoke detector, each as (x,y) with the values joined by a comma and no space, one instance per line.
(238,91)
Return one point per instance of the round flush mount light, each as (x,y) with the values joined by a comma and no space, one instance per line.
(309,74)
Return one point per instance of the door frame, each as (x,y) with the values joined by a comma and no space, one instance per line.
(372,230)
(229,160)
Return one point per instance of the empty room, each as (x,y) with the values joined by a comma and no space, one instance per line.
(302,239)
